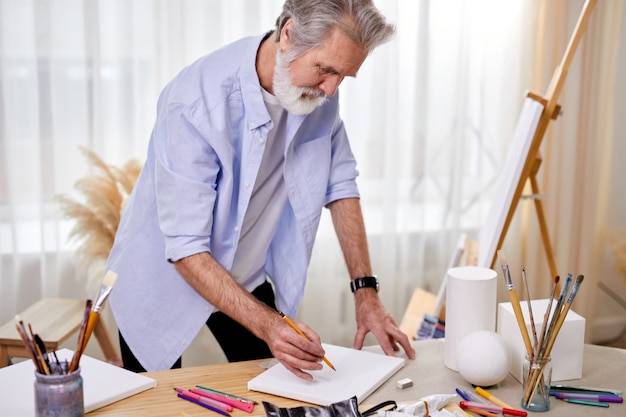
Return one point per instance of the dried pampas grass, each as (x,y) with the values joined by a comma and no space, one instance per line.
(96,218)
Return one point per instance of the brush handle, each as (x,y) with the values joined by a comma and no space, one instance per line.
(91,324)
(520,321)
(83,339)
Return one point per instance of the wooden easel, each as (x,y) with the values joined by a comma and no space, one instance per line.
(423,302)
(533,161)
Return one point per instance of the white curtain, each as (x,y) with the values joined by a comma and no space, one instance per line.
(430,117)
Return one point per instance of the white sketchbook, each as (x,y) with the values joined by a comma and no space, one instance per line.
(358,373)
(103,384)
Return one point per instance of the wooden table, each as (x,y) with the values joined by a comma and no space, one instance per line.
(602,367)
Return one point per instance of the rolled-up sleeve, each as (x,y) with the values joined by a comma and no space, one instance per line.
(186,171)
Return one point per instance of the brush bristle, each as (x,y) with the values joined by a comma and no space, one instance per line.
(109,279)
(502,257)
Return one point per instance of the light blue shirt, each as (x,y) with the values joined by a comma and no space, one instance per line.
(193,192)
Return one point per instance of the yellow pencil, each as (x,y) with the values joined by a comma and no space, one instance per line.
(293,326)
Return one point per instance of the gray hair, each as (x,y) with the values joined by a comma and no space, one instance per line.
(313,20)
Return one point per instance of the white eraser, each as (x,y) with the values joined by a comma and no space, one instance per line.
(404,383)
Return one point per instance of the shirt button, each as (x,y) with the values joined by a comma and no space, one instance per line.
(247,185)
(183,343)
(262,141)
(236,228)
(207,308)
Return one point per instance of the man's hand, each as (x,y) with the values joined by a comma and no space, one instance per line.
(295,352)
(214,283)
(371,316)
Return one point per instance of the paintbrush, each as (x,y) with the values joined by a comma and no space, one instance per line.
(28,344)
(530,310)
(557,312)
(563,314)
(557,321)
(546,317)
(105,289)
(81,338)
(515,303)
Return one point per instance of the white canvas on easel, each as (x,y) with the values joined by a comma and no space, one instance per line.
(508,181)
(358,373)
(523,159)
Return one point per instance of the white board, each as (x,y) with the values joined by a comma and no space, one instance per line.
(103,384)
(508,180)
(358,373)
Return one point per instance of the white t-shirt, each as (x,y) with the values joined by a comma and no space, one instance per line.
(266,203)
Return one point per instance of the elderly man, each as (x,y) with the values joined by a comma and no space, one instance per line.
(247,149)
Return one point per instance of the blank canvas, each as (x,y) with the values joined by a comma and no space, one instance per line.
(103,384)
(508,179)
(358,373)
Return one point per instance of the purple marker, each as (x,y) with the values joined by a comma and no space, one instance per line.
(592,397)
(210,407)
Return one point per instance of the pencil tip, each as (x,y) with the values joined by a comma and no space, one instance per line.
(556,279)
(580,278)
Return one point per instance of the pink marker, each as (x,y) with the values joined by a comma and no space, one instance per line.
(247,407)
(209,401)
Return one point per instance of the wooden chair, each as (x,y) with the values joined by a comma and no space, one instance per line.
(55,320)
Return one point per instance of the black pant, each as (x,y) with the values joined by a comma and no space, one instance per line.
(235,340)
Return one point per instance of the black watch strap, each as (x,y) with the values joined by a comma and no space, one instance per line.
(364,282)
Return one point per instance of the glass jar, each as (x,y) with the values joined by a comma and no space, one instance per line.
(59,395)
(537,376)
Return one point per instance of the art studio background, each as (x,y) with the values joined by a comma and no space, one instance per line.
(430,116)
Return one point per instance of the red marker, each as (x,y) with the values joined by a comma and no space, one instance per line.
(497,409)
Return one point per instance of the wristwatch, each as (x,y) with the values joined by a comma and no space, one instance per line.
(364,282)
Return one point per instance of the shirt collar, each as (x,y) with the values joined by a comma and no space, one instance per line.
(255,109)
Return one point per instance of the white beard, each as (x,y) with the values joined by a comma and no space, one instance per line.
(296,100)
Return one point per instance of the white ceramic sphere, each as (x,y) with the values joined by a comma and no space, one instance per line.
(483,358)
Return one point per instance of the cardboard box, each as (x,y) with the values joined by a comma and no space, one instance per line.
(567,352)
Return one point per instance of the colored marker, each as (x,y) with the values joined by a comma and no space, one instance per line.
(227,395)
(481,412)
(485,394)
(493,408)
(583,402)
(462,394)
(590,390)
(210,407)
(475,398)
(247,407)
(206,400)
(590,397)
